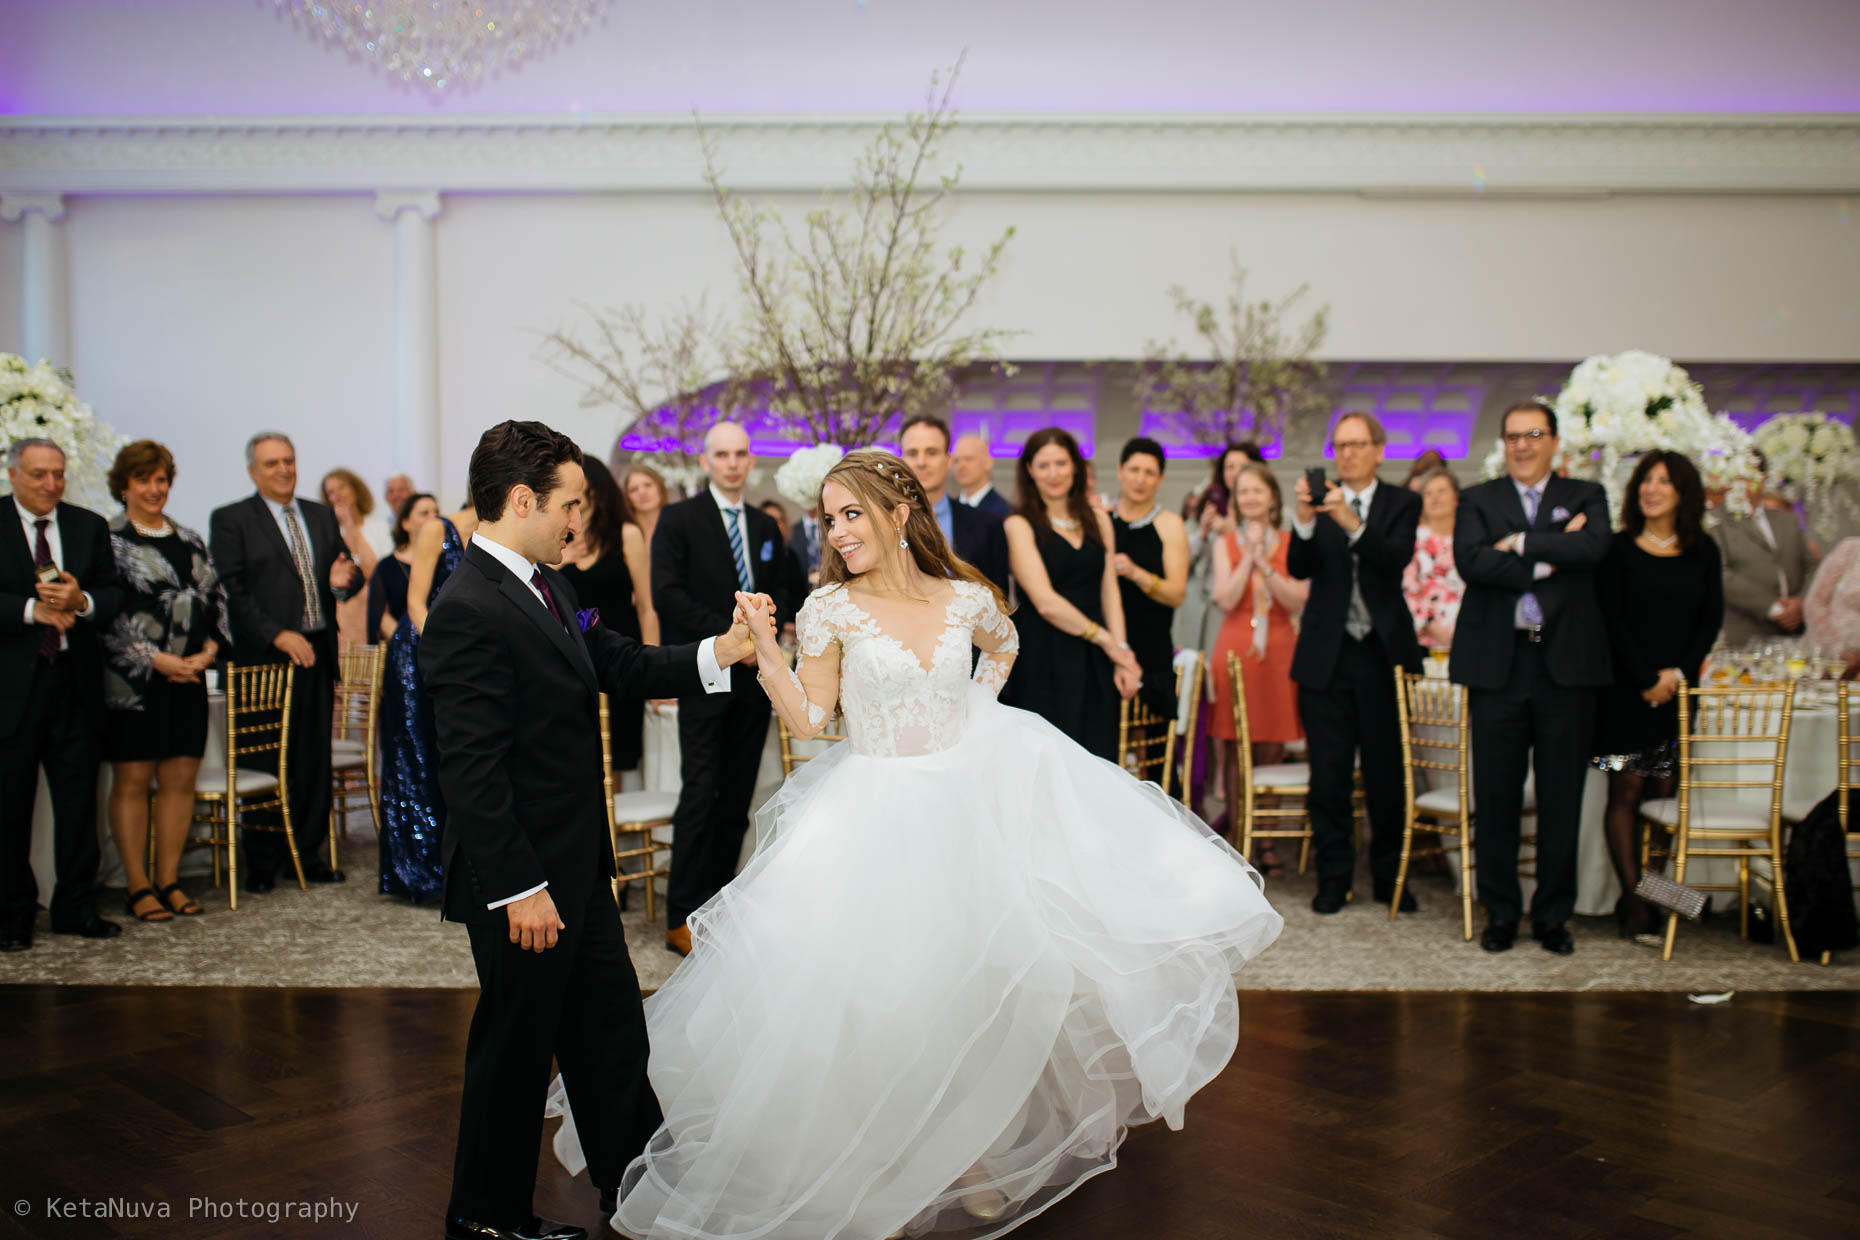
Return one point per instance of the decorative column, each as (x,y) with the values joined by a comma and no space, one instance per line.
(45,289)
(416,334)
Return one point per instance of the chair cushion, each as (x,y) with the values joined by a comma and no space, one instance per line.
(643,806)
(344,745)
(1439,801)
(1282,775)
(1795,810)
(1714,817)
(250,782)
(340,761)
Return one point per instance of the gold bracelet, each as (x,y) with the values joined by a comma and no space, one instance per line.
(1149,587)
(1091,631)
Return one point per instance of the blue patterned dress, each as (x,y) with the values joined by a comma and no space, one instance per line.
(413,814)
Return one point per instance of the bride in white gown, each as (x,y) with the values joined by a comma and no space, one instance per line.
(966,955)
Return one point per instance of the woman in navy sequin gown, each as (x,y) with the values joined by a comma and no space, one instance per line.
(412,811)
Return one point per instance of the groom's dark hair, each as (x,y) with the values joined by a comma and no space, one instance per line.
(513,454)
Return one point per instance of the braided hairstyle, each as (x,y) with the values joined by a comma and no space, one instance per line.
(881,483)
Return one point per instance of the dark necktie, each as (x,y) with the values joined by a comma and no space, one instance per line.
(49,637)
(1356,621)
(542,588)
(306,571)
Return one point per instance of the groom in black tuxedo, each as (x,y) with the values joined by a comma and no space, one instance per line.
(704,550)
(515,677)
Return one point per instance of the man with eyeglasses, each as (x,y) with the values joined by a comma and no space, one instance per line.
(1532,649)
(1352,543)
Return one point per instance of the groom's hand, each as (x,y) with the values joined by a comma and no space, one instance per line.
(534,923)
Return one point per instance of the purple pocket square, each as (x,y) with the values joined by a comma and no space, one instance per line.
(1559,514)
(588,619)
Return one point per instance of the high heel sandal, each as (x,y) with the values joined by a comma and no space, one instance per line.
(985,1204)
(161,911)
(188,907)
(1269,864)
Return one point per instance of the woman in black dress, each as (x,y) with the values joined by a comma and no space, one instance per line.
(1152,569)
(607,564)
(1662,593)
(387,587)
(1075,661)
(157,652)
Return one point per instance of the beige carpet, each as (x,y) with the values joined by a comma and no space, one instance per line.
(349,935)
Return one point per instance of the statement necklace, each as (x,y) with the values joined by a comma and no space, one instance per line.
(1063,523)
(162,532)
(1663,544)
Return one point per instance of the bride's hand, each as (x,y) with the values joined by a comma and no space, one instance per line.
(757,612)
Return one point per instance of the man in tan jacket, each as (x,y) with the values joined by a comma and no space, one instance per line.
(1768,564)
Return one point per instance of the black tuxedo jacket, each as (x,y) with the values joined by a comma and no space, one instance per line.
(694,580)
(993,504)
(264,594)
(85,539)
(980,539)
(809,556)
(1380,554)
(516,708)
(1485,635)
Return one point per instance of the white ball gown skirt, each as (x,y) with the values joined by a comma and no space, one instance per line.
(967,970)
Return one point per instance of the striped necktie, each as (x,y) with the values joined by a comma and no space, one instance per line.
(300,552)
(740,550)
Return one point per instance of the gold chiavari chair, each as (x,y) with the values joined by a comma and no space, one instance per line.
(1267,794)
(644,815)
(1146,739)
(1197,673)
(1740,733)
(791,756)
(258,723)
(1436,736)
(354,776)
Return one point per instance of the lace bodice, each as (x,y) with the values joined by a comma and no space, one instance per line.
(906,692)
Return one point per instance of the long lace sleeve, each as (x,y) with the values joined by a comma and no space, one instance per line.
(805,695)
(998,640)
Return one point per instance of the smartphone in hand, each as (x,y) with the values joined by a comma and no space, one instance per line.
(1314,482)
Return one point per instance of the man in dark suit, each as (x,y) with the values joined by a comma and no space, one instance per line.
(804,541)
(972,533)
(974,469)
(1531,647)
(705,549)
(284,566)
(57,590)
(515,683)
(1352,543)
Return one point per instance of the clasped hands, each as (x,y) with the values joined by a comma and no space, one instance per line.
(1663,689)
(186,671)
(751,633)
(59,602)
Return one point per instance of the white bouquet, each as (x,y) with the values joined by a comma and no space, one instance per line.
(800,476)
(1810,456)
(1614,409)
(36,402)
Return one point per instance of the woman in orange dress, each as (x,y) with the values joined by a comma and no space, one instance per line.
(1259,602)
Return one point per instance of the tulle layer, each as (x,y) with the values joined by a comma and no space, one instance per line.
(939,975)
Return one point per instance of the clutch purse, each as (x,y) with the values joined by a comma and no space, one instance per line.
(1663,891)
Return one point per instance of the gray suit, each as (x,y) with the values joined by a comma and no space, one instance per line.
(1751,586)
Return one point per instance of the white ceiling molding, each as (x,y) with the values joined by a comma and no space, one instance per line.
(1573,155)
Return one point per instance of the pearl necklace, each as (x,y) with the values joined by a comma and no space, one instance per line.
(165,530)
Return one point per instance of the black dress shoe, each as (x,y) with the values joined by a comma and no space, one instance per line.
(1499,936)
(15,938)
(610,1201)
(1408,905)
(1554,939)
(92,926)
(535,1229)
(259,885)
(325,876)
(1331,897)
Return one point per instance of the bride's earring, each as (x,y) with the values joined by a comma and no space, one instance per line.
(903,541)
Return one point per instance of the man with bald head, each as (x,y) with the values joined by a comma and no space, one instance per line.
(974,470)
(704,550)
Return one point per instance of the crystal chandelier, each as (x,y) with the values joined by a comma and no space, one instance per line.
(444,44)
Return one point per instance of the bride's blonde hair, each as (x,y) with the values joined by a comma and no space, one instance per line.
(881,482)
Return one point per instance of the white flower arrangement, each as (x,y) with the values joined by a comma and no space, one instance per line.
(1810,456)
(800,476)
(36,402)
(1614,409)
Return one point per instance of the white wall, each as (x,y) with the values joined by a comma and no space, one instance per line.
(198,320)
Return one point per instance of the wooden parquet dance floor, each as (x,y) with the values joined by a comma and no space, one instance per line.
(1372,1115)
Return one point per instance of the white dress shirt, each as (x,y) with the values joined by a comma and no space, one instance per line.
(972,498)
(57,544)
(1761,520)
(715,679)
